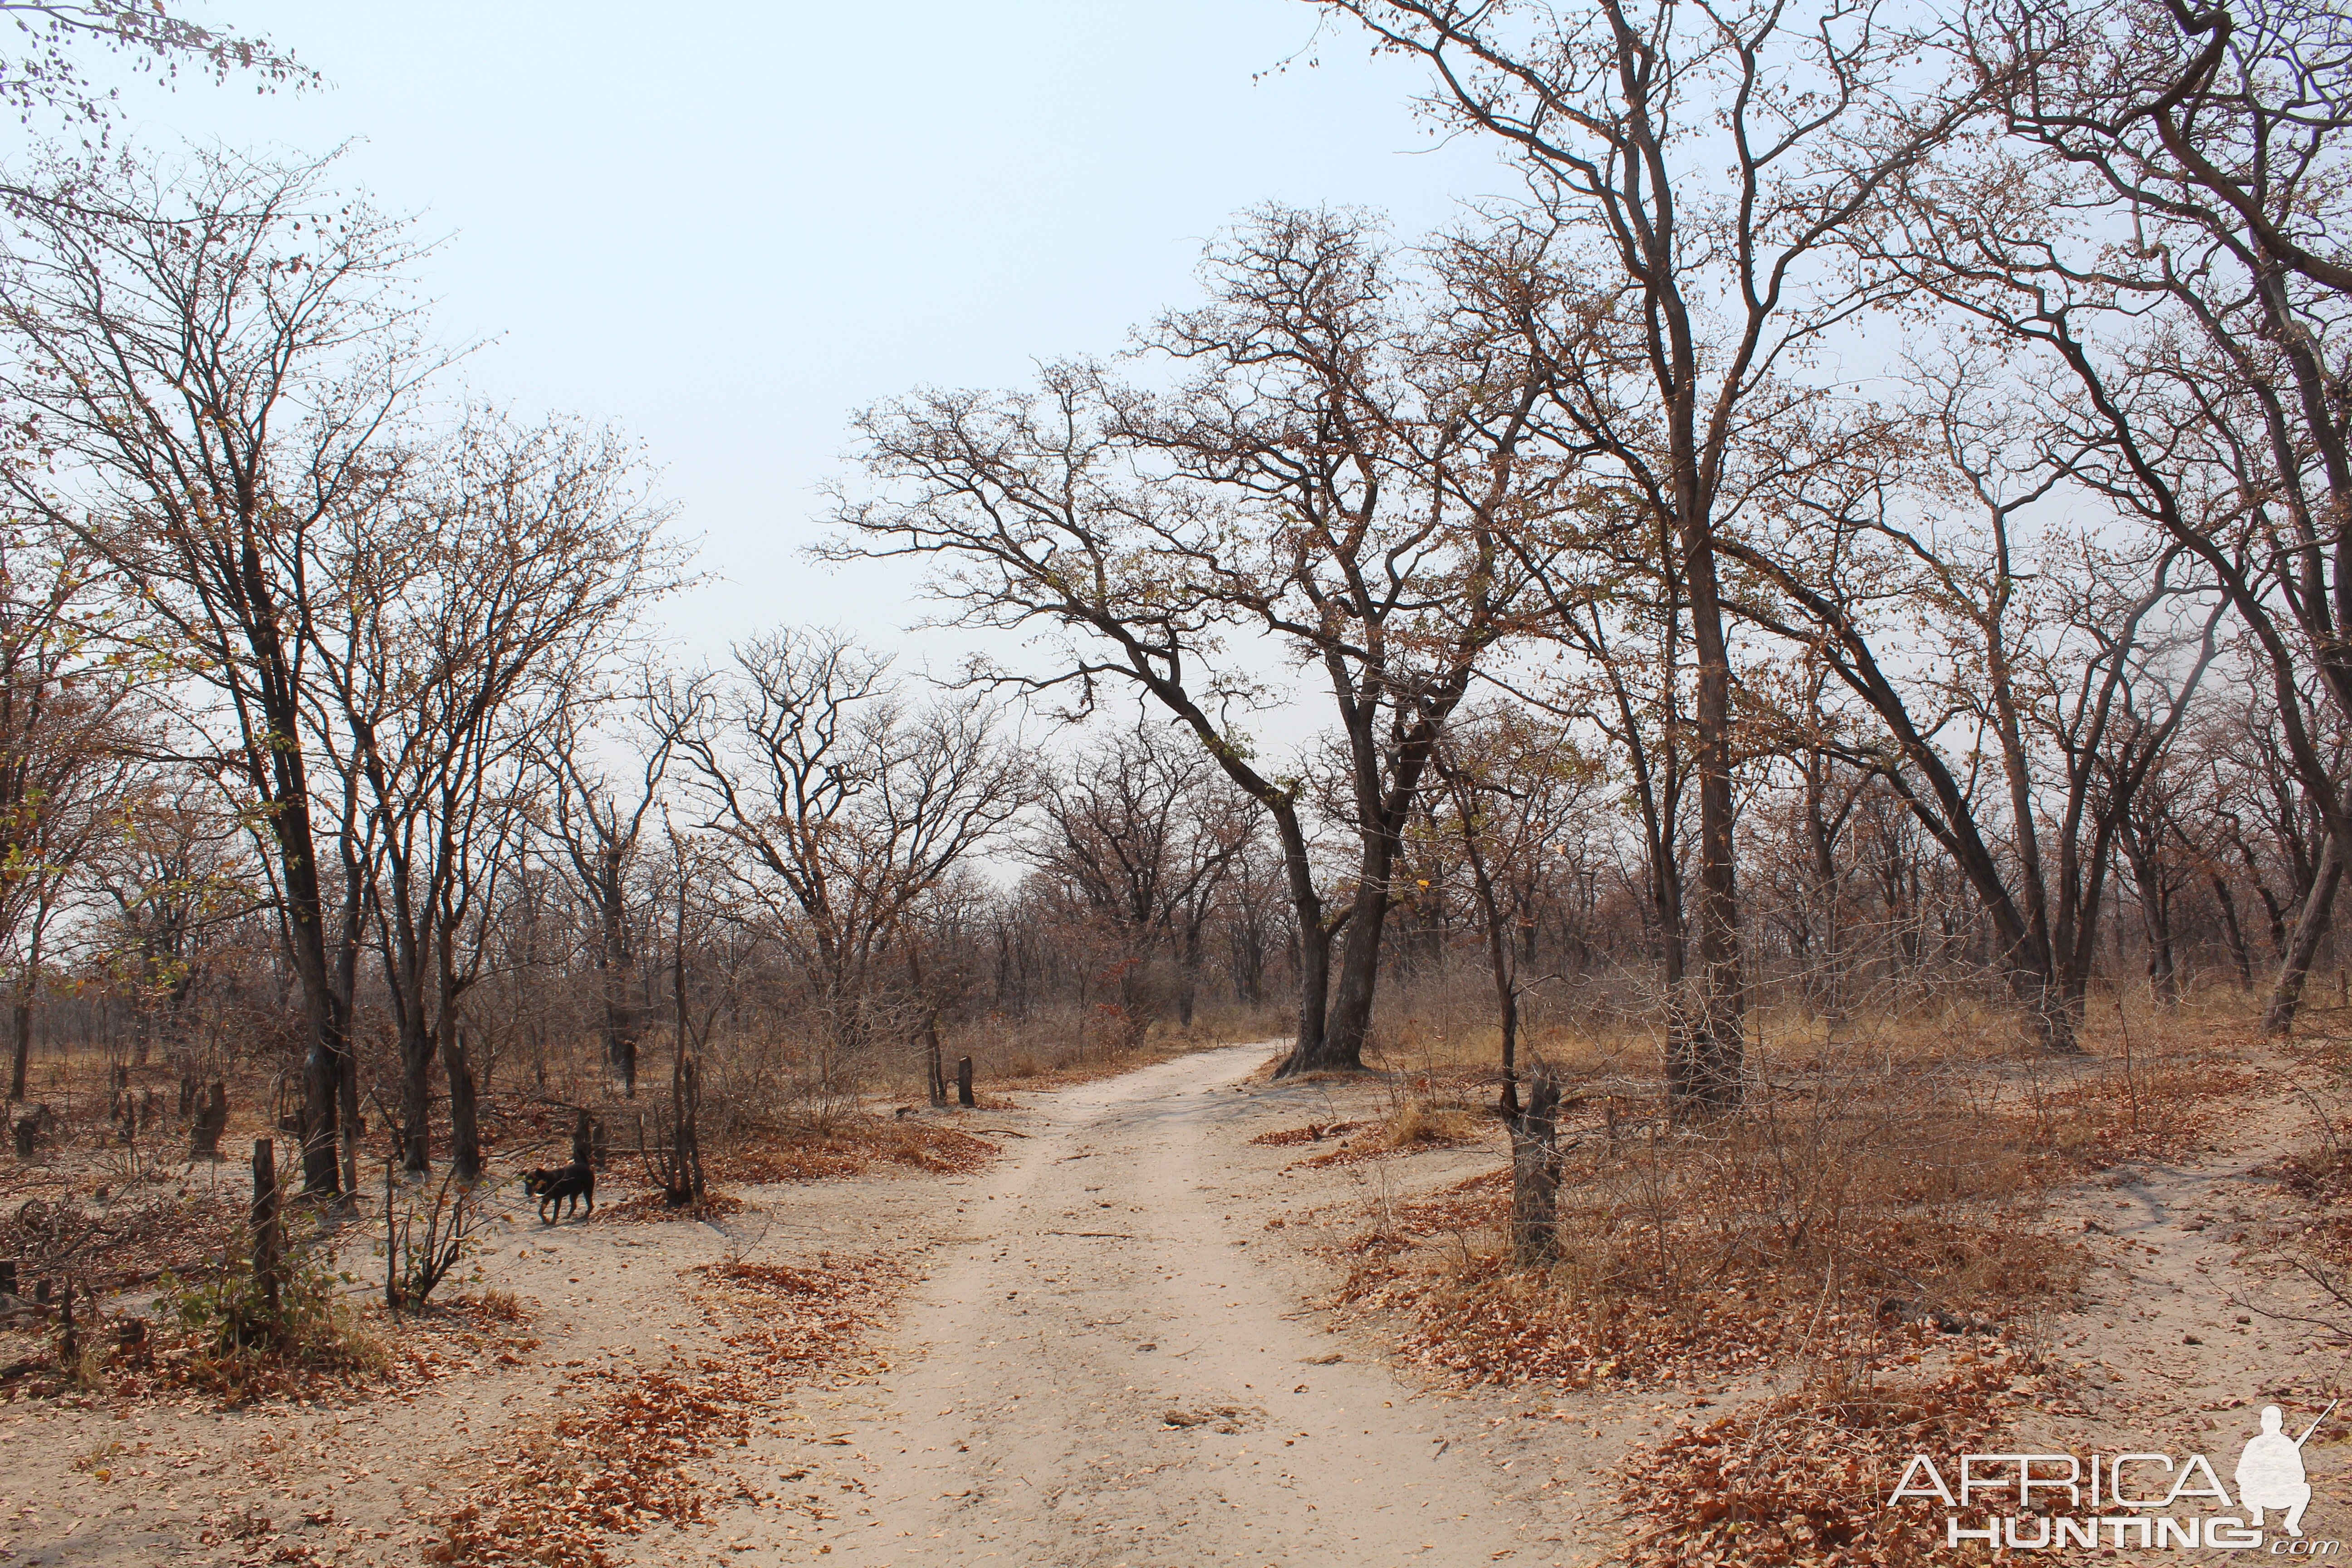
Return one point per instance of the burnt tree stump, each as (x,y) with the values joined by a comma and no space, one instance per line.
(267,1260)
(212,1121)
(1534,1173)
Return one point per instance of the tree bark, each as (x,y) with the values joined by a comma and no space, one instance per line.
(267,1271)
(416,1092)
(465,1114)
(20,1067)
(2234,933)
(2310,928)
(1534,1173)
(620,1018)
(1706,1066)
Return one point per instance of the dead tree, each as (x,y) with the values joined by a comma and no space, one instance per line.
(1535,1155)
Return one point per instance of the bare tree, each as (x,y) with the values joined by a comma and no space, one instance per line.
(208,362)
(466,608)
(2067,660)
(2161,224)
(1142,832)
(1335,477)
(845,806)
(63,768)
(1708,294)
(597,824)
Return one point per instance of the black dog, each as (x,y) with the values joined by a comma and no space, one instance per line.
(551,1187)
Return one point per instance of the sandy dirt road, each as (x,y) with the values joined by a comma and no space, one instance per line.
(1108,1282)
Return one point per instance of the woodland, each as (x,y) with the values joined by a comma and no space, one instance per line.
(1787,685)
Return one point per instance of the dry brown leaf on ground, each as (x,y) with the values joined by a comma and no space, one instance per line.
(625,1454)
(1800,1481)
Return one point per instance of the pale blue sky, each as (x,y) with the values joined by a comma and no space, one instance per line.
(726,227)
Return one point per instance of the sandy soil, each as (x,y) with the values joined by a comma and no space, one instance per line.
(1108,1357)
(1115,1278)
(2176,1336)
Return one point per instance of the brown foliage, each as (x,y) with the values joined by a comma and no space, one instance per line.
(1313,1132)
(624,1455)
(851,1147)
(1800,1479)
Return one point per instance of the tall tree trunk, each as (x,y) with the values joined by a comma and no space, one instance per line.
(685,1090)
(620,1021)
(1188,982)
(407,944)
(415,1090)
(1829,987)
(1381,818)
(2163,972)
(2310,929)
(1351,1022)
(935,1069)
(456,1064)
(1310,1050)
(2234,933)
(465,1116)
(326,1059)
(21,1018)
(1710,1070)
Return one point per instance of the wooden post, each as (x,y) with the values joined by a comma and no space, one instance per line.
(963,1082)
(69,1341)
(266,1260)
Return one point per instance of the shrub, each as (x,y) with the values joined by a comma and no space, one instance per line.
(242,1341)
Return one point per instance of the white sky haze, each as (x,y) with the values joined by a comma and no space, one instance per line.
(725,227)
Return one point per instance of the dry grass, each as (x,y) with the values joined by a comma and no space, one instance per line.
(497,1306)
(1412,1128)
(1855,1174)
(1864,1250)
(376,1355)
(1853,1178)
